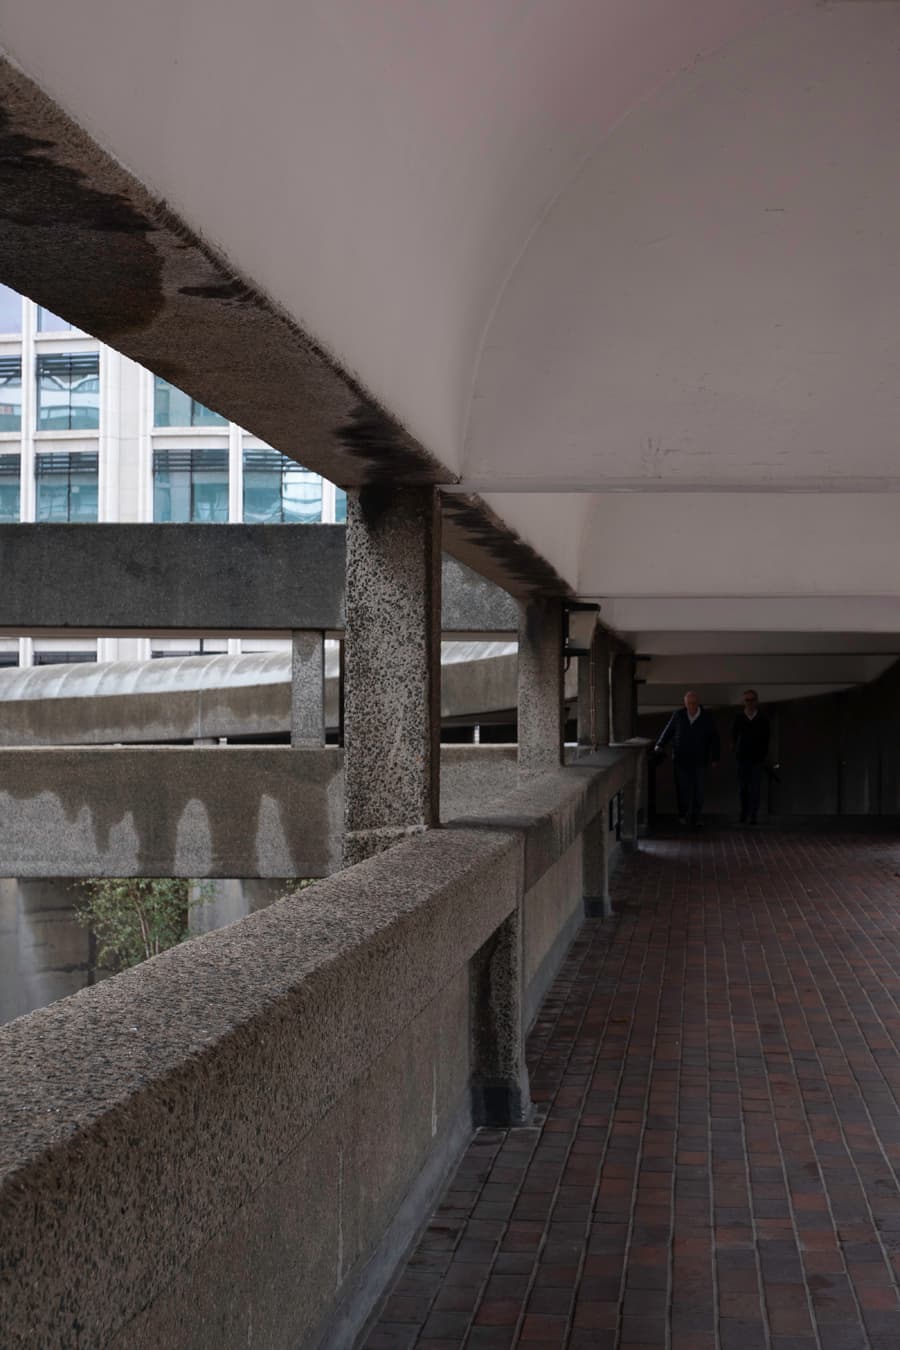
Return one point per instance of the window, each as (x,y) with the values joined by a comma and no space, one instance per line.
(172,408)
(63,658)
(10,393)
(8,659)
(9,489)
(68,389)
(190,485)
(278,491)
(340,506)
(10,311)
(48,322)
(66,487)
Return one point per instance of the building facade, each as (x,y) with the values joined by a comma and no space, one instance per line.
(88,435)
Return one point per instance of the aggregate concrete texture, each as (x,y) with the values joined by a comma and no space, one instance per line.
(540,686)
(236,811)
(201,578)
(593,692)
(202,1071)
(552,810)
(307,688)
(392,681)
(233,1082)
(240,811)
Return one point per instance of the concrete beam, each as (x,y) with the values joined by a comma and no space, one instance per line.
(785,643)
(812,613)
(741,544)
(818,668)
(149,285)
(123,579)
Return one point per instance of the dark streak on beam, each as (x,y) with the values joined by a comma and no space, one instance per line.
(84,238)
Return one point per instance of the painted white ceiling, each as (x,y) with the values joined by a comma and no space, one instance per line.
(585,251)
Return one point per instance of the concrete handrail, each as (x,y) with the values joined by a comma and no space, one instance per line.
(273,1106)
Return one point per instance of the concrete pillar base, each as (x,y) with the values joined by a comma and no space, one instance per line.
(499,1102)
(500,1091)
(595,867)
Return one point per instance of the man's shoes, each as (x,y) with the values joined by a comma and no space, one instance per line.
(752,820)
(682,820)
(696,824)
(743,820)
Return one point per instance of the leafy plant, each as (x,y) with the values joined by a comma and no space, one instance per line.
(134,918)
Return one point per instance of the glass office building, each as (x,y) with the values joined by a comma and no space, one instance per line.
(87,435)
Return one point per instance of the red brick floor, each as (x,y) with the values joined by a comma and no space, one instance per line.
(715,1155)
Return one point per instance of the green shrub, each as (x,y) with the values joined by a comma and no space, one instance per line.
(134,918)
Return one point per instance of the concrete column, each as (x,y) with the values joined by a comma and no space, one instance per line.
(307,688)
(593,693)
(595,866)
(392,688)
(631,797)
(500,1092)
(540,686)
(623,697)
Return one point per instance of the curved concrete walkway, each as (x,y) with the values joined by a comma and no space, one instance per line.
(715,1155)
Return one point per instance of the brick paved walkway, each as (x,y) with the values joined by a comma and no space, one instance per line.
(715,1156)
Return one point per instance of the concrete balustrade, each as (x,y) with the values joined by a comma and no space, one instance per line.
(233,1144)
(197,811)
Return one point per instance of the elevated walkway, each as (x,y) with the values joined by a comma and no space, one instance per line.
(713,1160)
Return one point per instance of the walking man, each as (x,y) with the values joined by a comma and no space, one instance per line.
(695,744)
(750,742)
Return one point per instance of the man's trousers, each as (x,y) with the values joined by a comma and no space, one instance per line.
(749,784)
(690,784)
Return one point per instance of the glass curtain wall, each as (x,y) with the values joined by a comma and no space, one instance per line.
(68,392)
(190,485)
(10,311)
(279,491)
(172,408)
(10,496)
(10,393)
(48,322)
(66,487)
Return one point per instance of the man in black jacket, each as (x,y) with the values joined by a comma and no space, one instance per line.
(750,742)
(695,744)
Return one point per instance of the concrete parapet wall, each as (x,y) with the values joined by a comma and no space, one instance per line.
(202,578)
(211,811)
(232,1144)
(236,811)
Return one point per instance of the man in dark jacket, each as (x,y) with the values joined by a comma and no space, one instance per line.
(695,744)
(750,742)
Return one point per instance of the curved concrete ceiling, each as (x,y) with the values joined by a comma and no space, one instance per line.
(574,248)
(376,169)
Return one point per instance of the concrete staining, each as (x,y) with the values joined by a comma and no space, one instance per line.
(392,680)
(211,811)
(237,1138)
(155,290)
(170,811)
